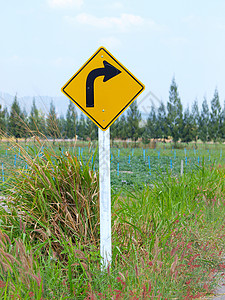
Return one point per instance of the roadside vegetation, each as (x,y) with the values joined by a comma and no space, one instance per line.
(168,230)
(168,237)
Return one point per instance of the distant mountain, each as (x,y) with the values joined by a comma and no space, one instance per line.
(43,103)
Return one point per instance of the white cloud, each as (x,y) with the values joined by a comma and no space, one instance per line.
(193,21)
(59,62)
(207,23)
(13,60)
(115,5)
(123,23)
(110,42)
(189,19)
(65,3)
(176,40)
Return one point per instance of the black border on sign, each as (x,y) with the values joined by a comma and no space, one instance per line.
(142,87)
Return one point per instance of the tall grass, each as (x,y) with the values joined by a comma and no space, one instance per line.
(168,239)
(56,197)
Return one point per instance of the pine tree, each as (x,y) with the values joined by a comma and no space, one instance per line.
(203,130)
(62,126)
(34,121)
(195,120)
(114,130)
(133,120)
(52,123)
(91,130)
(33,117)
(15,121)
(81,127)
(222,124)
(71,121)
(2,121)
(151,126)
(146,136)
(188,131)
(122,128)
(6,121)
(215,117)
(162,126)
(42,123)
(175,113)
(25,127)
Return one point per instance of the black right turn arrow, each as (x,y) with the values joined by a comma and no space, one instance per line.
(108,71)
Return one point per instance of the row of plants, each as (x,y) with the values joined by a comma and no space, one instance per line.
(128,166)
(163,120)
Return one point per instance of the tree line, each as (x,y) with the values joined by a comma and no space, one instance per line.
(167,121)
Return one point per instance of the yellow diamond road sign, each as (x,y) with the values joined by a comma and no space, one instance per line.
(103,88)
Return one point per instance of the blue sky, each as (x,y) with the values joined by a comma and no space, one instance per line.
(44,42)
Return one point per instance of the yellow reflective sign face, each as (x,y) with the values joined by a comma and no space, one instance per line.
(103,88)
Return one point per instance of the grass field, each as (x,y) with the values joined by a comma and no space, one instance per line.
(168,231)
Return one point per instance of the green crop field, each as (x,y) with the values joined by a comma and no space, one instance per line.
(129,166)
(168,230)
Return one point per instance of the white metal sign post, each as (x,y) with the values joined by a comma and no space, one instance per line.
(103,77)
(105,197)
